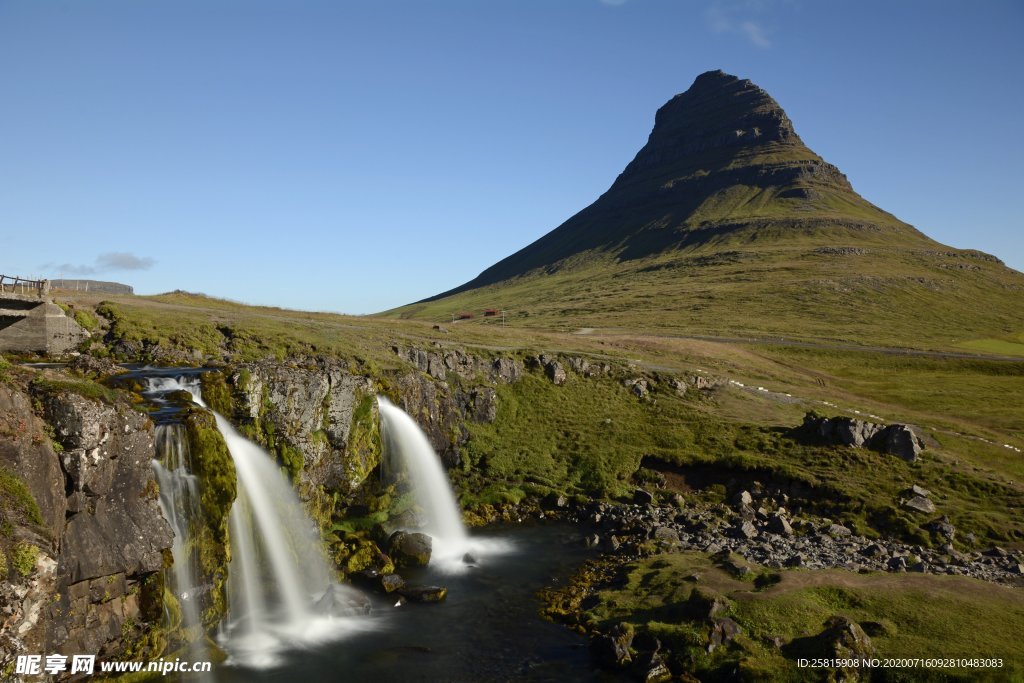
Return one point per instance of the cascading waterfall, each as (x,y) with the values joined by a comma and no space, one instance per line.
(281,590)
(408,446)
(179,501)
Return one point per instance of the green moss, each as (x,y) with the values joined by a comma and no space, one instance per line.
(23,557)
(364,449)
(82,387)
(16,497)
(213,465)
(86,319)
(217,393)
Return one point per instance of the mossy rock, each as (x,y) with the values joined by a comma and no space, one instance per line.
(213,465)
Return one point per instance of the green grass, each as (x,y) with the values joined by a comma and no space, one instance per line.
(16,501)
(82,387)
(916,615)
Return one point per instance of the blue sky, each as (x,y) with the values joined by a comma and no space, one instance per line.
(355,156)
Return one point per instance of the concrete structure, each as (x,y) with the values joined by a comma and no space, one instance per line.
(32,324)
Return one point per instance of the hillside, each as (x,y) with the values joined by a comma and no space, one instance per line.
(727,223)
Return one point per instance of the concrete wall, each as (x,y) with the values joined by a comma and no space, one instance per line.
(31,325)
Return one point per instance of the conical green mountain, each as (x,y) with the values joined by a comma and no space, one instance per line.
(727,223)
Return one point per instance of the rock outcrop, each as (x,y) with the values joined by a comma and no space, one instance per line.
(88,563)
(900,440)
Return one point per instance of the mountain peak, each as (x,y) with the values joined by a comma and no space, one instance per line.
(723,164)
(718,112)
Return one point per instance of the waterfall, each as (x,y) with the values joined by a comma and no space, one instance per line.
(407,446)
(282,593)
(179,501)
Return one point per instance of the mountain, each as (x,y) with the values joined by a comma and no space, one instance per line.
(725,222)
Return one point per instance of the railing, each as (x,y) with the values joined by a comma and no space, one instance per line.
(11,285)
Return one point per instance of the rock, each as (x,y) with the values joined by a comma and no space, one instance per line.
(341,601)
(920,504)
(723,632)
(743,498)
(90,366)
(916,490)
(638,386)
(391,583)
(483,404)
(678,386)
(506,370)
(668,535)
(553,369)
(778,524)
(943,528)
(850,432)
(901,440)
(469,558)
(428,594)
(745,530)
(843,638)
(642,497)
(410,549)
(651,668)
(611,650)
(704,604)
(797,560)
(838,531)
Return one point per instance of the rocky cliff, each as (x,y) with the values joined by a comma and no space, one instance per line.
(83,537)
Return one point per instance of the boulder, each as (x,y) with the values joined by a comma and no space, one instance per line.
(410,549)
(723,631)
(778,524)
(427,594)
(553,369)
(901,440)
(920,504)
(611,650)
(642,497)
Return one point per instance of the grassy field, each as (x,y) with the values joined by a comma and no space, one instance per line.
(589,437)
(907,616)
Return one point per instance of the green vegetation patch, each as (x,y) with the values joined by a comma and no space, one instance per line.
(212,464)
(16,501)
(906,615)
(82,387)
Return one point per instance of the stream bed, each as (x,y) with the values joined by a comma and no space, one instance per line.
(488,628)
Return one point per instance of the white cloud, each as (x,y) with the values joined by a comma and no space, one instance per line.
(755,33)
(121,260)
(729,16)
(113,260)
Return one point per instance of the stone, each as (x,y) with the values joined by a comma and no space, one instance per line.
(341,601)
(920,504)
(743,498)
(919,491)
(391,582)
(778,524)
(678,386)
(553,369)
(704,604)
(723,632)
(745,530)
(667,535)
(838,531)
(843,638)
(642,497)
(427,594)
(410,549)
(611,650)
(901,440)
